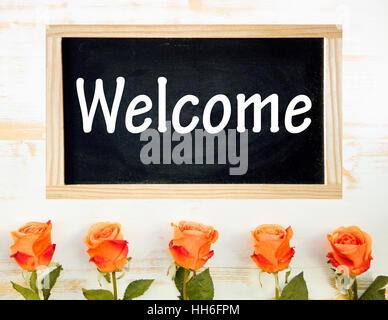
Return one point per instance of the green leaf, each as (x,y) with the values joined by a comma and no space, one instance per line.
(179,274)
(106,275)
(287,276)
(376,290)
(97,294)
(28,294)
(48,282)
(200,287)
(296,289)
(381,294)
(33,279)
(136,289)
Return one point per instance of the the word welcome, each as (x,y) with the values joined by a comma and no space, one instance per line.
(141,104)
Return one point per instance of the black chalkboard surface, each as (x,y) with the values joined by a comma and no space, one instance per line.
(204,68)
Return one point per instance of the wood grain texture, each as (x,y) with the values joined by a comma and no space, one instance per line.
(194,191)
(56,189)
(196,31)
(54,110)
(146,223)
(13,130)
(333,110)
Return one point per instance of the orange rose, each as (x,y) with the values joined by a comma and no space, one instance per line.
(352,248)
(190,247)
(107,249)
(272,247)
(32,246)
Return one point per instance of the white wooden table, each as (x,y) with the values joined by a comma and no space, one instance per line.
(146,223)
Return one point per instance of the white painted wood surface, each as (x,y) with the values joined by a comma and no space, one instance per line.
(146,223)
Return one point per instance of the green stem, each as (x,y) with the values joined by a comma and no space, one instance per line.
(185,276)
(277,287)
(350,294)
(355,289)
(114,285)
(33,280)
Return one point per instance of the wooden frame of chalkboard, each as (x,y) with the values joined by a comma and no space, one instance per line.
(55,166)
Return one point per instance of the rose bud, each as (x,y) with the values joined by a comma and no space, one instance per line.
(272,247)
(190,246)
(106,246)
(352,249)
(32,248)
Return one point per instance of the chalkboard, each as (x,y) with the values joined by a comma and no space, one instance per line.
(200,67)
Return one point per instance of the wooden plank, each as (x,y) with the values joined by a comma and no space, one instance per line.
(197,31)
(54,113)
(194,191)
(333,113)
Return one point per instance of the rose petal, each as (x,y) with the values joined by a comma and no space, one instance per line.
(25,261)
(263,263)
(47,255)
